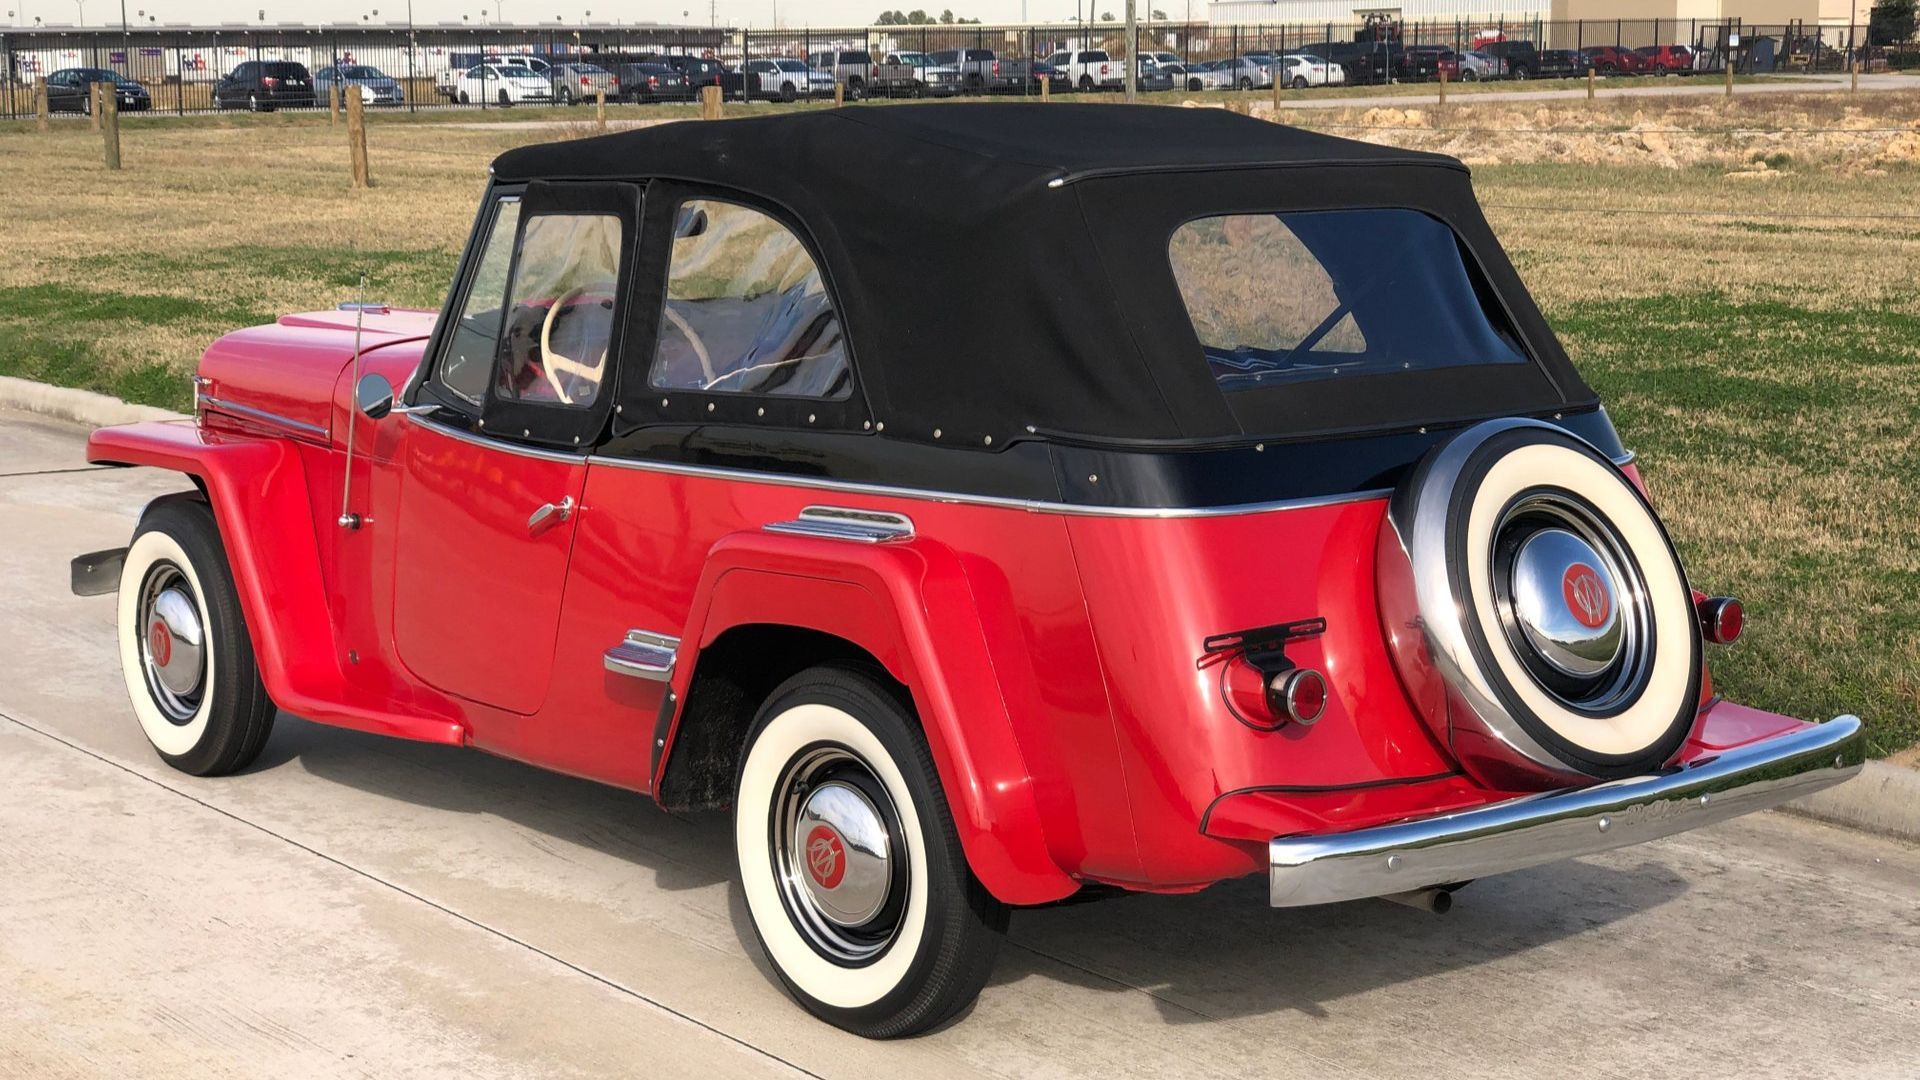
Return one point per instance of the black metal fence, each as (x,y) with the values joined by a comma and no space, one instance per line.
(182,69)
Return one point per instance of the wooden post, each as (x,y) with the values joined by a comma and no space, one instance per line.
(110,127)
(839,94)
(1443,86)
(93,105)
(1046,90)
(40,105)
(357,141)
(1856,76)
(1729,72)
(333,103)
(1279,84)
(600,107)
(1589,84)
(709,103)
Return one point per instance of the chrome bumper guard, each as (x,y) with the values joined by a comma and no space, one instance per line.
(1458,847)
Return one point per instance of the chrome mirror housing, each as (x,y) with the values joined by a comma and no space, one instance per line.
(373,396)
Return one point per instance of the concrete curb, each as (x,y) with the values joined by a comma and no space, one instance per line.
(79,406)
(1883,799)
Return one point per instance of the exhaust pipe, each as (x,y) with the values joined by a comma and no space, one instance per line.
(1438,901)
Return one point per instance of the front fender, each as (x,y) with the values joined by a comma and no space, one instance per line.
(909,605)
(258,491)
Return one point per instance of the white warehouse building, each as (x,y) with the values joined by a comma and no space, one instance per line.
(1534,12)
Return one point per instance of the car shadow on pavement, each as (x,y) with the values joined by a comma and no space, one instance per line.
(682,852)
(1214,955)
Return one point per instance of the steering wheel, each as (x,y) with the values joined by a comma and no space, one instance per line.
(553,364)
(693,338)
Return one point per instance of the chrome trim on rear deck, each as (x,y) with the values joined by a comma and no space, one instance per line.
(845,523)
(1519,833)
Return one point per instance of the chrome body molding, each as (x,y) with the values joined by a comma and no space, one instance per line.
(421,418)
(1451,848)
(643,655)
(206,404)
(844,523)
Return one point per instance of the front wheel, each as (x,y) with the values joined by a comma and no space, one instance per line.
(1299,82)
(856,90)
(1086,83)
(463,98)
(1246,83)
(184,646)
(505,100)
(854,876)
(1469,75)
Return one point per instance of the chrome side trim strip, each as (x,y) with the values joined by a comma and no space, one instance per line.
(643,655)
(843,523)
(1519,833)
(494,444)
(1036,506)
(261,416)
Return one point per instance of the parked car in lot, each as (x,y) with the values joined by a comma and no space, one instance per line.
(1301,72)
(1613,60)
(264,85)
(1563,64)
(1312,565)
(914,74)
(852,68)
(984,71)
(374,86)
(577,82)
(1209,75)
(1246,73)
(1152,78)
(1056,79)
(1665,59)
(699,71)
(1472,67)
(71,90)
(1420,63)
(1521,57)
(777,80)
(650,82)
(1366,62)
(1090,69)
(502,84)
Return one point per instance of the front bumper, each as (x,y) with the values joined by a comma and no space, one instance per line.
(1458,847)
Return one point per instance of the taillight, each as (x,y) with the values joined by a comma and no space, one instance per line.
(873,72)
(653,80)
(1299,694)
(1721,619)
(1103,69)
(270,82)
(584,81)
(996,67)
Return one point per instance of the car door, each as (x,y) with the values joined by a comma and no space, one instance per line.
(489,483)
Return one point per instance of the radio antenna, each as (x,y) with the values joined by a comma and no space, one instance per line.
(349,519)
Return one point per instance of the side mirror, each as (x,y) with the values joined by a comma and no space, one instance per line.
(693,222)
(373,396)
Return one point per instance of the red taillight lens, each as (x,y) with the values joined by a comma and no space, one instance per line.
(873,72)
(996,67)
(1299,694)
(653,80)
(1103,69)
(1721,619)
(270,82)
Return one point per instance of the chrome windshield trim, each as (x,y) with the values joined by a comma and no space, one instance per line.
(846,523)
(260,416)
(643,655)
(504,447)
(1512,835)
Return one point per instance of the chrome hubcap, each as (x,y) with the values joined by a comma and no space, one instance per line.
(838,855)
(172,643)
(1572,601)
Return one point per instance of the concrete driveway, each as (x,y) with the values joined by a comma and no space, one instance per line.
(360,907)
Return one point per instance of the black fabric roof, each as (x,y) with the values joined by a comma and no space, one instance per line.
(1002,268)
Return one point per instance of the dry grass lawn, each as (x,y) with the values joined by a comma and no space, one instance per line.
(1738,278)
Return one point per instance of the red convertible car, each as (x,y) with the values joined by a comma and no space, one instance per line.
(1209,543)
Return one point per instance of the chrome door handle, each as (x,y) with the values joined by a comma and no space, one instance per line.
(550,515)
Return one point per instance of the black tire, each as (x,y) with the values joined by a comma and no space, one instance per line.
(788,93)
(856,89)
(253,103)
(946,928)
(221,727)
(1246,83)
(1469,75)
(1520,73)
(1193,86)
(1086,83)
(506,101)
(463,98)
(566,95)
(1299,82)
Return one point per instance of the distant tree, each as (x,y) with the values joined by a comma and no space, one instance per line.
(891,18)
(1159,15)
(947,17)
(918,17)
(1106,16)
(1891,22)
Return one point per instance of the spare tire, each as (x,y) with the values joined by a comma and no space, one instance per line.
(1537,611)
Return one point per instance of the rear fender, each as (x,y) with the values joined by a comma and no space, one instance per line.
(257,489)
(909,605)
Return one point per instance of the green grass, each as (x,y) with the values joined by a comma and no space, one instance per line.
(1780,444)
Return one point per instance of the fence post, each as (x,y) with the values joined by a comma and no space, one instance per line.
(333,101)
(40,105)
(1589,82)
(357,141)
(1443,85)
(600,107)
(93,105)
(110,127)
(710,102)
(1856,76)
(1729,67)
(1279,84)
(1046,90)
(839,94)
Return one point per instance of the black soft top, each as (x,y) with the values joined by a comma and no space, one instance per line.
(1002,269)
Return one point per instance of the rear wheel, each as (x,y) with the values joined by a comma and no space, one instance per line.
(854,876)
(253,103)
(505,100)
(1086,83)
(463,98)
(1299,82)
(856,89)
(1469,75)
(1246,83)
(184,646)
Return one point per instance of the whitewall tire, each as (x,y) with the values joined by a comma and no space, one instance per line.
(184,647)
(854,877)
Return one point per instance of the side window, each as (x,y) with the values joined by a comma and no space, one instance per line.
(463,369)
(746,310)
(559,322)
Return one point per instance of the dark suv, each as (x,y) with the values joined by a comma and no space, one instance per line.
(261,85)
(1523,60)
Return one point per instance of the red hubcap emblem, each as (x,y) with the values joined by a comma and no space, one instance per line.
(1586,596)
(159,643)
(826,858)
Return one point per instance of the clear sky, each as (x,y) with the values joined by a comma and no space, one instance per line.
(730,12)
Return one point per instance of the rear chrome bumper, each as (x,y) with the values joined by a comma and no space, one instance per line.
(1461,846)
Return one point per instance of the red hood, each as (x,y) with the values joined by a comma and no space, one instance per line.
(287,371)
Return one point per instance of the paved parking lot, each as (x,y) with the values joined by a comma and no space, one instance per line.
(357,906)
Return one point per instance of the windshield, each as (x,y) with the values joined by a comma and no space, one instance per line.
(914,58)
(791,65)
(515,72)
(1307,295)
(361,73)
